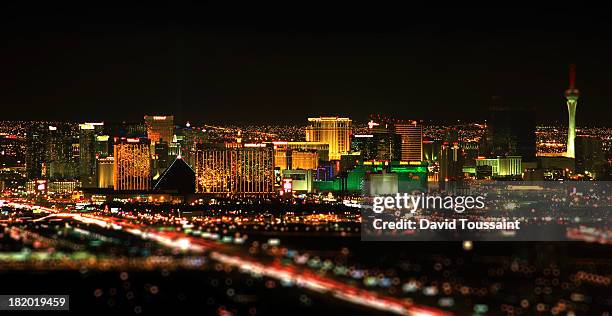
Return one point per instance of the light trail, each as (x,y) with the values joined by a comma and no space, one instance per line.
(324,285)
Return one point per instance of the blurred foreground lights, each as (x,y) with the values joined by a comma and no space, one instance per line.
(468,245)
(481,308)
(446,302)
(183,243)
(430,291)
(410,287)
(510,206)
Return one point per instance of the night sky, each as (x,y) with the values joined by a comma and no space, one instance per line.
(283,63)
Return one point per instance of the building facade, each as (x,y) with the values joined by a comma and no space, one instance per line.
(411,134)
(132,164)
(335,131)
(105,172)
(88,152)
(502,166)
(35,150)
(160,128)
(590,157)
(235,169)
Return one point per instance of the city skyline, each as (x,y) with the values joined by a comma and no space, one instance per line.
(305,159)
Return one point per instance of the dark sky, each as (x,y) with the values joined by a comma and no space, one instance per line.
(283,63)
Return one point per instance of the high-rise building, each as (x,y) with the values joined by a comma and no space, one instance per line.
(511,131)
(103,149)
(451,162)
(381,143)
(105,172)
(35,150)
(411,133)
(590,157)
(160,128)
(11,150)
(571,94)
(235,169)
(88,153)
(431,150)
(160,159)
(61,161)
(188,137)
(132,165)
(335,131)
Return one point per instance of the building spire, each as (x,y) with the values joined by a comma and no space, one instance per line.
(572,77)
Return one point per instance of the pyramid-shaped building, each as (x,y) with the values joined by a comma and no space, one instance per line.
(179,177)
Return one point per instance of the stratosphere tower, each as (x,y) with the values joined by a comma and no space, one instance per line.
(571,94)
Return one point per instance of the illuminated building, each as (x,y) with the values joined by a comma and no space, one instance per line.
(483,171)
(102,146)
(235,169)
(451,165)
(160,158)
(377,146)
(502,166)
(301,180)
(12,151)
(304,160)
(335,131)
(299,155)
(13,177)
(56,186)
(174,148)
(571,94)
(325,172)
(296,159)
(159,128)
(347,161)
(187,138)
(36,186)
(105,172)
(431,150)
(383,183)
(380,143)
(322,149)
(63,187)
(410,176)
(511,131)
(126,129)
(35,150)
(590,158)
(61,161)
(132,165)
(471,151)
(88,153)
(282,159)
(411,134)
